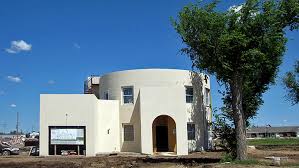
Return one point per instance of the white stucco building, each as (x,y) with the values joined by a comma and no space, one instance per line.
(146,111)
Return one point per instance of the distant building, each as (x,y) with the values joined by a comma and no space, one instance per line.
(145,111)
(274,132)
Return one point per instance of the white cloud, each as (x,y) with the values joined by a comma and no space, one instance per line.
(51,82)
(76,45)
(13,105)
(18,46)
(15,79)
(236,8)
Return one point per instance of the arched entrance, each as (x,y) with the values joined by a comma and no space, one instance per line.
(164,134)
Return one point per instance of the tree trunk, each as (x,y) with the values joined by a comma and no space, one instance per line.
(239,119)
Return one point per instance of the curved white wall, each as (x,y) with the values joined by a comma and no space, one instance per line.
(156,83)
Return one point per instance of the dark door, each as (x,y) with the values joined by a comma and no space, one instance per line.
(162,138)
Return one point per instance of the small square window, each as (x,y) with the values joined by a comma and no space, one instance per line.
(128,95)
(191,131)
(128,132)
(189,94)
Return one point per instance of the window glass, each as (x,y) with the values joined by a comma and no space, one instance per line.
(128,90)
(128,97)
(189,94)
(128,133)
(191,131)
(207,97)
(106,95)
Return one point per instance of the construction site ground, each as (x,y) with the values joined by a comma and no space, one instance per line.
(200,159)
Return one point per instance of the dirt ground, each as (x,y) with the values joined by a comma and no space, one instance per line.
(201,159)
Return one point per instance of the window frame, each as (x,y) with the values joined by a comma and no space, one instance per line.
(106,95)
(193,131)
(207,98)
(123,95)
(125,133)
(188,95)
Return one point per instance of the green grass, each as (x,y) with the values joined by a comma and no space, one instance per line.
(248,162)
(263,163)
(274,141)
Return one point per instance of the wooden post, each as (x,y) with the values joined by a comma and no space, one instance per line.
(54,149)
(30,151)
(78,149)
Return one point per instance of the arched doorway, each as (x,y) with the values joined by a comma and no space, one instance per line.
(164,134)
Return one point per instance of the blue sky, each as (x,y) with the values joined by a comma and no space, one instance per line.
(52,46)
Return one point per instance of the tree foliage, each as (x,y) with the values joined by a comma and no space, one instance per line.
(225,131)
(242,47)
(291,82)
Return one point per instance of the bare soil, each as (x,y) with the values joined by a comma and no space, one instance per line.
(201,159)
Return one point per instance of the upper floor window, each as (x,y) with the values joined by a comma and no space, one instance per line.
(207,97)
(128,95)
(189,94)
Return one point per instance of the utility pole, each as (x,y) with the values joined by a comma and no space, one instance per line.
(18,124)
(66,115)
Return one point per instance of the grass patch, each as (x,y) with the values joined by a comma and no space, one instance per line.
(228,158)
(247,162)
(263,163)
(273,141)
(290,164)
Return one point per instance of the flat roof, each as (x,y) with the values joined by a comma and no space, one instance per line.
(273,129)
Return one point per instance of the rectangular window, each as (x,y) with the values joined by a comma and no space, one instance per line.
(128,95)
(189,94)
(207,97)
(191,131)
(128,132)
(106,95)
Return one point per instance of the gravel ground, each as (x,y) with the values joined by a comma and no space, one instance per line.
(134,161)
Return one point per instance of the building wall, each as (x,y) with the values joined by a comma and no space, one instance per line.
(82,110)
(155,105)
(153,78)
(156,92)
(107,124)
(199,113)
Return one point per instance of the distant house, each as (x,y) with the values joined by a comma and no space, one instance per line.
(275,132)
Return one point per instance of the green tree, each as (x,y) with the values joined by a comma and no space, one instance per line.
(242,47)
(225,132)
(291,82)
